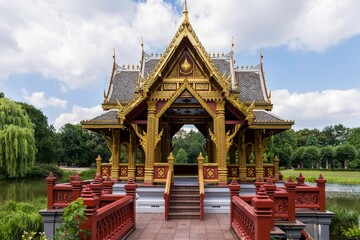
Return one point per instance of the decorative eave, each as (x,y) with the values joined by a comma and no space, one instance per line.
(268,94)
(185,30)
(106,94)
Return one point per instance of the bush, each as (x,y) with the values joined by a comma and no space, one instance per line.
(344,223)
(43,170)
(17,217)
(74,214)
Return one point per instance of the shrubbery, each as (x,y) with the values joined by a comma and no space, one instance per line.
(43,170)
(344,223)
(17,217)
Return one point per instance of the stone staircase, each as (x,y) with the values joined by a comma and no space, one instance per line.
(184,202)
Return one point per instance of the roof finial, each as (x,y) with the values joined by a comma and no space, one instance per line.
(261,56)
(232,44)
(114,54)
(185,11)
(142,43)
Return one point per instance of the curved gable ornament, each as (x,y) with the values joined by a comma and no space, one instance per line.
(176,94)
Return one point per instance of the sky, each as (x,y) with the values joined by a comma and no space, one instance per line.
(57,55)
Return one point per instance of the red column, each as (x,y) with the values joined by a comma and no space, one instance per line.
(76,185)
(96,186)
(50,183)
(270,188)
(234,189)
(321,182)
(91,201)
(263,206)
(258,183)
(108,185)
(130,189)
(291,189)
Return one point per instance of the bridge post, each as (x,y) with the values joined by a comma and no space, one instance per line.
(263,207)
(50,183)
(108,185)
(91,201)
(291,190)
(270,191)
(259,182)
(76,185)
(234,189)
(130,189)
(321,182)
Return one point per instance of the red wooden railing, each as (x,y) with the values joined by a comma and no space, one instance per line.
(112,221)
(109,216)
(251,222)
(285,202)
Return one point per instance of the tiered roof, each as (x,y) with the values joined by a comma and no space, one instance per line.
(248,82)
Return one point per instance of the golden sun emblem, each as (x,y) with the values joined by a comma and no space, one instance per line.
(186,67)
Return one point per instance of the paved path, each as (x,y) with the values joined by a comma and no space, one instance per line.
(153,226)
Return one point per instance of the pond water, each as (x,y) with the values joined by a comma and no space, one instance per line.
(22,190)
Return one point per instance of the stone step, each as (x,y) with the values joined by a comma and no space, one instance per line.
(182,208)
(184,215)
(184,195)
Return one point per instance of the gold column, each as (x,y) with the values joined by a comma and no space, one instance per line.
(221,142)
(152,129)
(132,154)
(242,156)
(115,154)
(258,153)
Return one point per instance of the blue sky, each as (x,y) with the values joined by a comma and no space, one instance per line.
(57,55)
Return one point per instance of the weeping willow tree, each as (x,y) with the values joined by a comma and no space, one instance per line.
(17,143)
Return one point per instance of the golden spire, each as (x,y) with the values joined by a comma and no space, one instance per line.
(185,11)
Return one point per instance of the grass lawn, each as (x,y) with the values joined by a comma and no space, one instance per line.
(331,176)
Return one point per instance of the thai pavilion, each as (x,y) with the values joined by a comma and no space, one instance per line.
(146,105)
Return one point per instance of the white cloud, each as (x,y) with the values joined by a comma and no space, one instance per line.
(72,41)
(39,100)
(318,109)
(77,114)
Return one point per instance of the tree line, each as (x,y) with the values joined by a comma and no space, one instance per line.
(27,140)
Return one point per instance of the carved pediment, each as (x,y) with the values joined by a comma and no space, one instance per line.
(186,67)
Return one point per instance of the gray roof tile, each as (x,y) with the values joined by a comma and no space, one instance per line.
(109,115)
(223,65)
(149,66)
(124,86)
(264,116)
(249,84)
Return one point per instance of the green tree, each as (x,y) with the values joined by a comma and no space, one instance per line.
(311,157)
(346,154)
(283,145)
(298,157)
(47,144)
(308,137)
(354,138)
(181,156)
(80,146)
(335,135)
(327,156)
(2,95)
(17,143)
(192,142)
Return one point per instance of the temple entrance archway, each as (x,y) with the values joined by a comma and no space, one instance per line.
(187,143)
